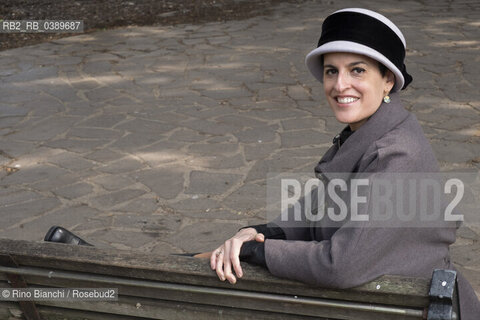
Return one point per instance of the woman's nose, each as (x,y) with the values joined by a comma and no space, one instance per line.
(342,82)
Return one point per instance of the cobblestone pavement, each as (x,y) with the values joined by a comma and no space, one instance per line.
(159,138)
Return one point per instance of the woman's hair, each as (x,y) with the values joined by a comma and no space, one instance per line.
(382,68)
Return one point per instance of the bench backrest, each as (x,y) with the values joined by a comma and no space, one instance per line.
(176,287)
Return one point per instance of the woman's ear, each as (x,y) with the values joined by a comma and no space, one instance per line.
(390,77)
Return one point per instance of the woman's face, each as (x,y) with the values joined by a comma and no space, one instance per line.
(354,86)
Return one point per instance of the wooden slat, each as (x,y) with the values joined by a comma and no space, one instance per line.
(54,313)
(222,298)
(162,309)
(393,290)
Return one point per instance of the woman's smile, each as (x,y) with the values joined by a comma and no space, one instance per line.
(345,100)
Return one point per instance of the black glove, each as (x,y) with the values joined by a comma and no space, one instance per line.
(270,231)
(253,252)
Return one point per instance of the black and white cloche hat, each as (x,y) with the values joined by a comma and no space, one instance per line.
(365,32)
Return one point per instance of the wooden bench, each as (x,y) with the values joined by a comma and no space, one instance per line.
(176,287)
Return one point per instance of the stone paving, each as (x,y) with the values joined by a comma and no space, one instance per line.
(159,139)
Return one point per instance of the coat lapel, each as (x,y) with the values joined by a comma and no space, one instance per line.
(346,158)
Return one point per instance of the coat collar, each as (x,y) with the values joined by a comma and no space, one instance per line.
(346,158)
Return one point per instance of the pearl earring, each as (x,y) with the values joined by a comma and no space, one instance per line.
(387,99)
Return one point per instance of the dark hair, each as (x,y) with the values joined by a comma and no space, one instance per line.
(381,66)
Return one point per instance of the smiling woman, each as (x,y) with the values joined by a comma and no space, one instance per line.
(360,61)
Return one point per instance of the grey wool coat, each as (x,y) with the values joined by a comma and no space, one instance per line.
(342,257)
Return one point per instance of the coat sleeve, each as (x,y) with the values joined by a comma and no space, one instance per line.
(296,227)
(356,254)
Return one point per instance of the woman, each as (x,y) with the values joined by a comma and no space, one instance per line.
(360,60)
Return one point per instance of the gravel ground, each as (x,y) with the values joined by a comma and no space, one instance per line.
(100,14)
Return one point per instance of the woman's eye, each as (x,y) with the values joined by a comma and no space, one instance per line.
(330,71)
(358,70)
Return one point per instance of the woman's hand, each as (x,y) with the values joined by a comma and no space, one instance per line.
(227,255)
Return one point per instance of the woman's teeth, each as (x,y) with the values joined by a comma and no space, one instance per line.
(346,99)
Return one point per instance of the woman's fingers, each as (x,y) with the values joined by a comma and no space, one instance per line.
(227,266)
(219,265)
(260,237)
(235,257)
(213,258)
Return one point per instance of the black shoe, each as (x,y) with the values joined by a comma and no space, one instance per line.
(62,235)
